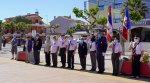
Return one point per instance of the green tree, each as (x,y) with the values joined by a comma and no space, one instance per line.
(28,26)
(18,19)
(21,25)
(102,21)
(70,30)
(91,13)
(12,26)
(78,25)
(137,9)
(7,25)
(135,16)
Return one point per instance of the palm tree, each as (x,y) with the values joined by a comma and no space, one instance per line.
(135,5)
(7,26)
(20,25)
(12,26)
(28,27)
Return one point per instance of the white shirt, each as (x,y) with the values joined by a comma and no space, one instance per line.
(47,46)
(72,44)
(63,43)
(138,49)
(117,48)
(54,46)
(92,46)
(26,44)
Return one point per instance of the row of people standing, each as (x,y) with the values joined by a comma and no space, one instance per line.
(60,46)
(66,47)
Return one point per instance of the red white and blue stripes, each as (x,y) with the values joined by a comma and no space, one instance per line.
(126,24)
(109,32)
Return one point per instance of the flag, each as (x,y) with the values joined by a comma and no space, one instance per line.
(126,24)
(109,31)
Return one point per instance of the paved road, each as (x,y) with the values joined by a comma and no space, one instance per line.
(20,72)
(12,71)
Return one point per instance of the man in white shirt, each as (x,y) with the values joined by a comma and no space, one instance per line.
(62,52)
(93,53)
(137,52)
(72,46)
(54,51)
(116,52)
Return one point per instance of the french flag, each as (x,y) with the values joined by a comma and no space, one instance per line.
(109,32)
(126,24)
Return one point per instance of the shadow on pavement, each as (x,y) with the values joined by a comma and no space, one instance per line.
(146,79)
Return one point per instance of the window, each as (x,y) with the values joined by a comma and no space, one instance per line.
(101,4)
(101,7)
(93,1)
(117,18)
(36,21)
(118,4)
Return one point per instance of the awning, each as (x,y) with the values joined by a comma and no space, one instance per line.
(80,33)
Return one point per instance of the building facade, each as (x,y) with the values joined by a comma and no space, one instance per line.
(64,23)
(141,28)
(36,21)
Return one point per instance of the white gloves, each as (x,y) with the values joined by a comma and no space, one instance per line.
(103,54)
(141,59)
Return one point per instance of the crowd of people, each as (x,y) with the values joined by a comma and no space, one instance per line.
(66,46)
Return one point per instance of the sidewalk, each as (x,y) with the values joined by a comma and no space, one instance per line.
(12,71)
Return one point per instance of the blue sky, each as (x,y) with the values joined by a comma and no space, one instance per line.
(47,8)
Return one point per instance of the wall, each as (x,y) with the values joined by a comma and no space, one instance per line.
(64,24)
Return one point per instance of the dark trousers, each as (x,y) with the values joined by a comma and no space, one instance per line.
(115,63)
(37,56)
(4,43)
(54,59)
(62,54)
(70,59)
(136,65)
(47,58)
(101,62)
(83,61)
(93,59)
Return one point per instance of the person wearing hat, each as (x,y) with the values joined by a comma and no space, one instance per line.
(116,53)
(47,51)
(72,46)
(93,53)
(82,51)
(28,46)
(62,51)
(14,44)
(137,52)
(37,48)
